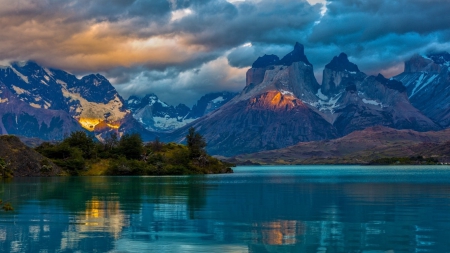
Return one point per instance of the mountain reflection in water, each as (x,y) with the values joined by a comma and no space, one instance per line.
(258,209)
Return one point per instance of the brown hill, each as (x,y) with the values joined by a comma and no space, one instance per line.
(359,147)
(23,161)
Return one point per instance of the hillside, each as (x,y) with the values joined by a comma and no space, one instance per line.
(21,161)
(359,147)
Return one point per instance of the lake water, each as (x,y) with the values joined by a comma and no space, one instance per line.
(257,209)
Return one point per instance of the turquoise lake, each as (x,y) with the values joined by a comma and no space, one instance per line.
(317,209)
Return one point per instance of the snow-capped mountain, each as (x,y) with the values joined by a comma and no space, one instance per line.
(209,103)
(427,81)
(351,100)
(157,115)
(32,91)
(283,104)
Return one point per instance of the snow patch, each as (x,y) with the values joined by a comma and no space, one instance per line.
(133,101)
(48,72)
(420,85)
(321,95)
(170,123)
(372,102)
(418,82)
(35,105)
(64,84)
(162,103)
(218,100)
(327,105)
(287,93)
(24,78)
(20,91)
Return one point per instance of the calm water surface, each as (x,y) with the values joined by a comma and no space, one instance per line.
(258,209)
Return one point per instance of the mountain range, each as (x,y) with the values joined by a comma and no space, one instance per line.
(281,105)
(158,116)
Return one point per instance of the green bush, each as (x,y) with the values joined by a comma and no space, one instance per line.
(122,166)
(5,169)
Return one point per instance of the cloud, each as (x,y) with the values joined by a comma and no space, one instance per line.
(187,86)
(191,47)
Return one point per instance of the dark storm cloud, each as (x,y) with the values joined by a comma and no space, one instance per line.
(222,24)
(356,21)
(182,49)
(380,35)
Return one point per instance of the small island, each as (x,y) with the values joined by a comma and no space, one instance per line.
(81,155)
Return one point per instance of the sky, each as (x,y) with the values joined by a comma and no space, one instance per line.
(183,49)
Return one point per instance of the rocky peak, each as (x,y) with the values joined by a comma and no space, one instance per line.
(292,74)
(338,74)
(266,61)
(390,83)
(95,79)
(210,102)
(341,63)
(442,58)
(297,55)
(418,63)
(96,88)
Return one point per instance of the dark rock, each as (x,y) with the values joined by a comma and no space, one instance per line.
(390,83)
(265,61)
(297,55)
(440,58)
(341,63)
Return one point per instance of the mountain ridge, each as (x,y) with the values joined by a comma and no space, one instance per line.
(347,100)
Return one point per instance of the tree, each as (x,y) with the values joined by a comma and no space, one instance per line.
(80,140)
(131,146)
(111,140)
(156,145)
(196,143)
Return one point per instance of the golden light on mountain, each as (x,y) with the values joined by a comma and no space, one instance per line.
(89,123)
(92,124)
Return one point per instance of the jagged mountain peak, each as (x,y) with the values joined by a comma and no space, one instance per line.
(265,61)
(390,83)
(22,64)
(293,75)
(418,63)
(338,74)
(441,58)
(297,55)
(427,79)
(95,79)
(156,115)
(341,63)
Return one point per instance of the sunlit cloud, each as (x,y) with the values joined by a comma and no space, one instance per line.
(179,14)
(169,46)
